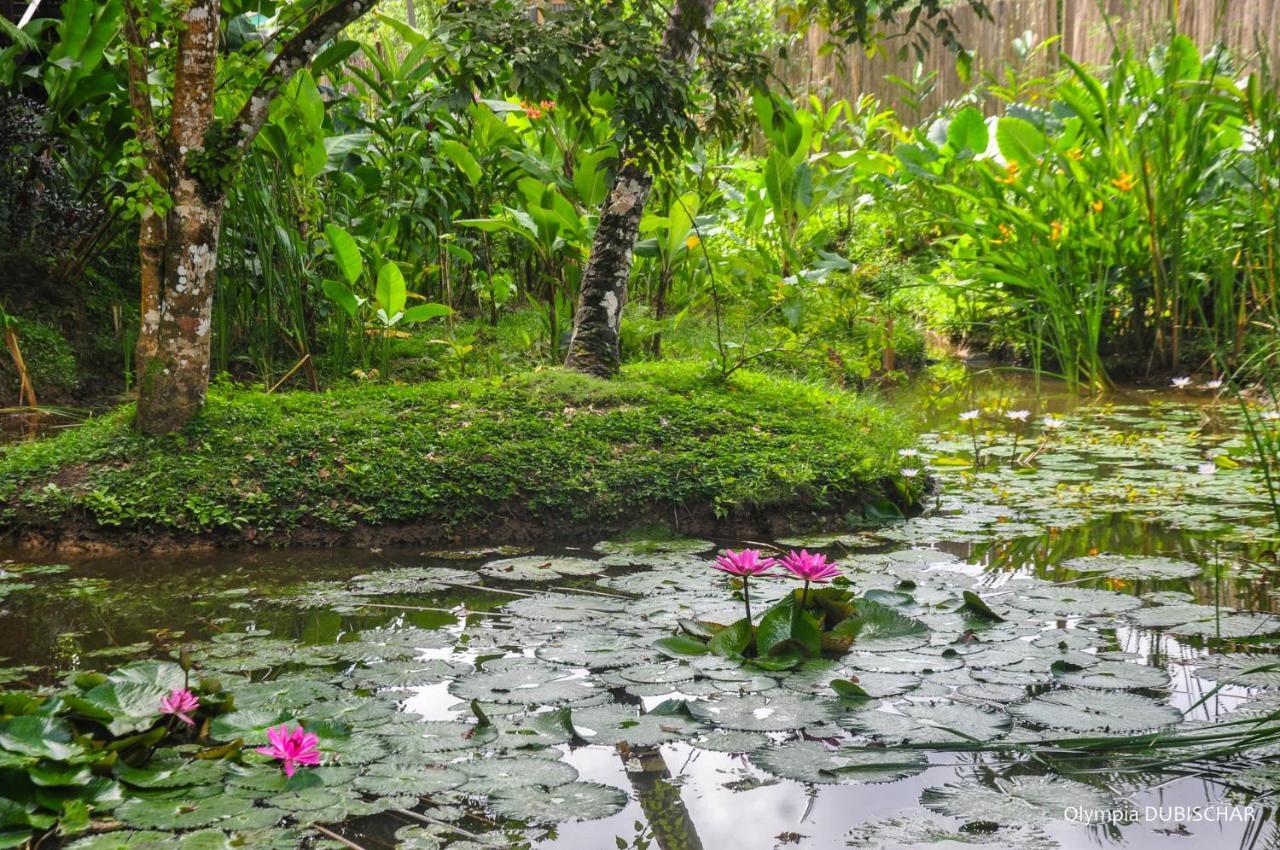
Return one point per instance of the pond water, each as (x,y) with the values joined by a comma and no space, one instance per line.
(1125,583)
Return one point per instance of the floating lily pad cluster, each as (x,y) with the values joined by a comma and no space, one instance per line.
(464,707)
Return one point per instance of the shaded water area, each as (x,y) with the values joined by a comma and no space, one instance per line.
(1126,563)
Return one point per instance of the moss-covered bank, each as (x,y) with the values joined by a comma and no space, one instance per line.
(537,455)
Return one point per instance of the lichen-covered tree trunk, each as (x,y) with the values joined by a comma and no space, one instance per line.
(179,250)
(175,340)
(594,347)
(177,298)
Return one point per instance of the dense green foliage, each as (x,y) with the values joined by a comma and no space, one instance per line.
(550,447)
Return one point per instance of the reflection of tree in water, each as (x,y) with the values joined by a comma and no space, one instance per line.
(659,798)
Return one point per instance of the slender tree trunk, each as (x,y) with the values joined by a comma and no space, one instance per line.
(594,346)
(177,297)
(179,250)
(660,309)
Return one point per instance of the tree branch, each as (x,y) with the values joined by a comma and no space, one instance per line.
(139,90)
(293,56)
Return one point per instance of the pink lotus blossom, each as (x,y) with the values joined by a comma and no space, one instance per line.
(181,703)
(291,746)
(744,565)
(808,567)
(748,562)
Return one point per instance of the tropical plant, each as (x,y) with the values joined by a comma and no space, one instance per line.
(382,307)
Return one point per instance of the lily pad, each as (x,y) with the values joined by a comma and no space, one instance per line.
(183,813)
(573,801)
(1024,800)
(1134,566)
(814,761)
(943,722)
(778,711)
(1116,675)
(1096,711)
(522,680)
(1073,601)
(414,780)
(498,775)
(539,568)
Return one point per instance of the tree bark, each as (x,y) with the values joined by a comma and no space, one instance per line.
(179,251)
(594,347)
(178,273)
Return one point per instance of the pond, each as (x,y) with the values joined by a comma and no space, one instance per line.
(1118,581)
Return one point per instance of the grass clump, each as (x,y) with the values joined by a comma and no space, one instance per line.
(553,451)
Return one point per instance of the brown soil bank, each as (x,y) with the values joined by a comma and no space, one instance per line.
(531,457)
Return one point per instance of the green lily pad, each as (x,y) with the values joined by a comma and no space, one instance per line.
(184,813)
(1019,801)
(573,801)
(1073,601)
(498,775)
(522,680)
(942,722)
(415,780)
(1115,674)
(1116,713)
(613,724)
(773,712)
(1134,566)
(539,568)
(814,761)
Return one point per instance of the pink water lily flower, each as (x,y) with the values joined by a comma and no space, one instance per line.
(744,565)
(292,747)
(748,562)
(181,703)
(809,568)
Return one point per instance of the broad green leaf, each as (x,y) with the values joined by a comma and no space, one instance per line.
(425,312)
(1020,141)
(975,604)
(391,292)
(345,253)
(47,737)
(968,131)
(462,158)
(342,296)
(732,641)
(681,646)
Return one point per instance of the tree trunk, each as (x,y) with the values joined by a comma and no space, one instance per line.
(177,298)
(179,251)
(594,346)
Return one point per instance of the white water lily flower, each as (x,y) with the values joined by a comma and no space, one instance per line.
(970,415)
(1271,415)
(908,452)
(1052,422)
(1216,383)
(1018,415)
(1181,383)
(909,472)
(1207,468)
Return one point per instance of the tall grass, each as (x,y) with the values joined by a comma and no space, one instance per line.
(263,313)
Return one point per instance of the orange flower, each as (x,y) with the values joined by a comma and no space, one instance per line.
(1006,235)
(1124,182)
(1055,231)
(1097,205)
(1076,154)
(1011,174)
